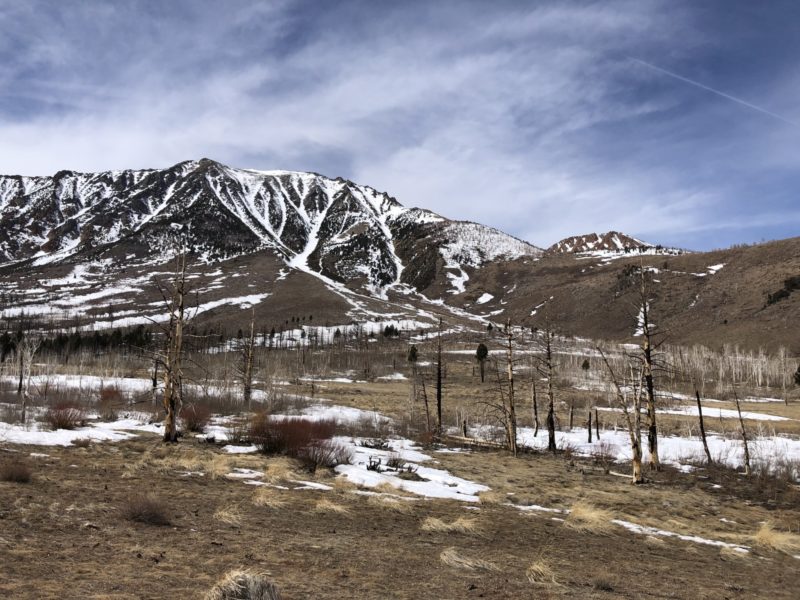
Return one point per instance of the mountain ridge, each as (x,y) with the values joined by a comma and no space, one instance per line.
(333,227)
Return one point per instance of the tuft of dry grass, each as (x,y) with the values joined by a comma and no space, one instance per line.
(268,498)
(145,508)
(728,552)
(244,585)
(460,525)
(492,497)
(280,469)
(540,572)
(15,472)
(586,517)
(393,504)
(452,558)
(769,537)
(386,488)
(326,506)
(82,442)
(229,515)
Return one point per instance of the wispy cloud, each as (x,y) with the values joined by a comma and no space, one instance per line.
(713,91)
(530,118)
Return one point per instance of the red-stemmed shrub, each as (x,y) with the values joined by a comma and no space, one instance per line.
(65,415)
(288,436)
(324,453)
(195,417)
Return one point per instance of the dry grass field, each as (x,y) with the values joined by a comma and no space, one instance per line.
(139,519)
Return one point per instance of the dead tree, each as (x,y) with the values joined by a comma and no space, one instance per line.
(535,404)
(744,435)
(702,427)
(246,370)
(511,426)
(171,360)
(545,367)
(27,346)
(648,331)
(634,422)
(439,380)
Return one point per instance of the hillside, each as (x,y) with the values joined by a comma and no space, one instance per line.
(91,250)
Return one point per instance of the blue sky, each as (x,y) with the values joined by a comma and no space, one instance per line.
(677,122)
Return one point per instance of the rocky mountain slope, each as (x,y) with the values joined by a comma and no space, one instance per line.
(93,250)
(332,227)
(609,242)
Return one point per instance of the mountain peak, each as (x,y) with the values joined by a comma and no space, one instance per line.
(611,241)
(334,228)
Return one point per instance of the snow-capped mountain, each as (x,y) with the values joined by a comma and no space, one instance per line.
(335,228)
(611,242)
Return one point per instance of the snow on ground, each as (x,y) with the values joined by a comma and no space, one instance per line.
(653,531)
(392,377)
(708,413)
(485,297)
(672,449)
(640,529)
(114,431)
(437,483)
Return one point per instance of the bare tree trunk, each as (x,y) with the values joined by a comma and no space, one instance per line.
(647,352)
(744,436)
(571,414)
(702,427)
(535,408)
(21,365)
(172,371)
(439,381)
(597,424)
(427,408)
(247,367)
(551,409)
(589,428)
(512,415)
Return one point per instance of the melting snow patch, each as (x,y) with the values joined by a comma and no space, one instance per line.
(239,473)
(311,485)
(230,449)
(431,483)
(644,530)
(486,297)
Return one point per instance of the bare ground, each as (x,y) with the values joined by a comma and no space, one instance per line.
(64,535)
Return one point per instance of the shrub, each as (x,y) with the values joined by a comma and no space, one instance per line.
(324,453)
(16,472)
(395,461)
(288,436)
(82,442)
(244,585)
(195,417)
(109,399)
(238,431)
(65,415)
(144,508)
